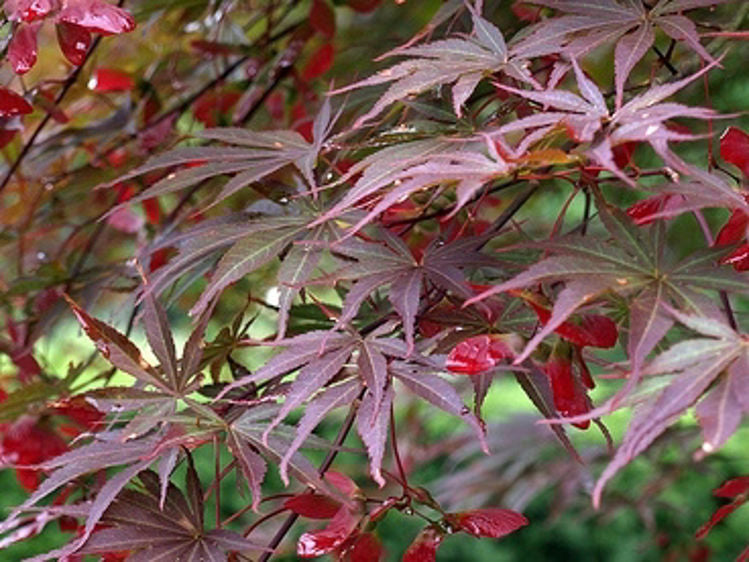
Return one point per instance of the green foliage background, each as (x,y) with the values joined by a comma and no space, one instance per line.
(577,533)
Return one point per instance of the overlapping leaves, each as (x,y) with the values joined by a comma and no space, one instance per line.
(460,61)
(588,120)
(324,384)
(721,356)
(138,522)
(586,25)
(250,156)
(628,263)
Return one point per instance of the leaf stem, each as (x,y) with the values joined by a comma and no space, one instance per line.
(396,453)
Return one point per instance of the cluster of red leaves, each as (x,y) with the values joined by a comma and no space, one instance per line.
(211,108)
(75,21)
(490,523)
(482,353)
(348,535)
(31,440)
(734,149)
(737,490)
(344,537)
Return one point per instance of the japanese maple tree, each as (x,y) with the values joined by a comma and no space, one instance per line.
(297,231)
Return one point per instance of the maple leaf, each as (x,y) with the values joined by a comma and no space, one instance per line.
(313,506)
(165,386)
(137,521)
(693,365)
(570,398)
(365,547)
(22,50)
(97,16)
(389,261)
(319,62)
(339,535)
(255,435)
(699,191)
(477,354)
(321,356)
(423,381)
(74,41)
(394,173)
(255,243)
(251,156)
(329,539)
(322,18)
(587,25)
(588,119)
(97,455)
(111,80)
(734,148)
(628,264)
(29,10)
(460,61)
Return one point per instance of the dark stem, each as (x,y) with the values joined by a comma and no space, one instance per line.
(665,60)
(396,453)
(514,206)
(217,471)
(728,309)
(586,214)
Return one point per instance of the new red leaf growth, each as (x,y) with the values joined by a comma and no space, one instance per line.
(11,104)
(593,330)
(490,522)
(74,42)
(111,80)
(481,353)
(734,148)
(313,506)
(570,398)
(425,545)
